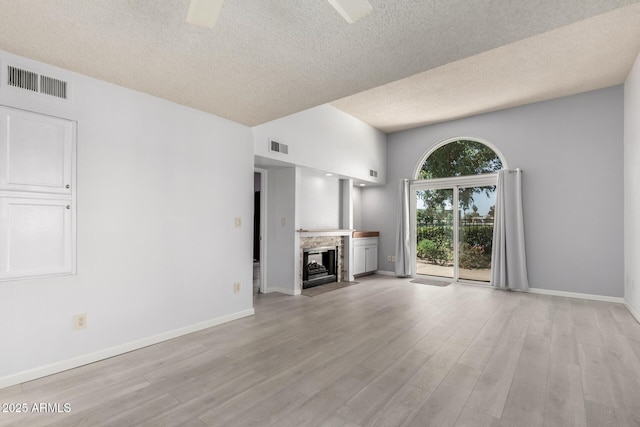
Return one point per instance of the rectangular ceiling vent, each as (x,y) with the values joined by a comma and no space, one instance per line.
(278,147)
(373,173)
(34,82)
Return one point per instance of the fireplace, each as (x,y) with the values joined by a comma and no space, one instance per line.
(319,266)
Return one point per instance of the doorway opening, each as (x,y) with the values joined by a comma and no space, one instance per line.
(259,230)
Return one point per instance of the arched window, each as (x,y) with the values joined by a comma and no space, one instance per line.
(454,209)
(460,157)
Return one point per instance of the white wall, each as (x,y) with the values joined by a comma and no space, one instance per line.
(281,234)
(159,186)
(632,188)
(319,205)
(326,139)
(571,152)
(323,139)
(256,181)
(357,208)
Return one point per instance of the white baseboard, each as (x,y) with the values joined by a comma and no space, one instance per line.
(286,291)
(75,362)
(386,273)
(592,297)
(632,310)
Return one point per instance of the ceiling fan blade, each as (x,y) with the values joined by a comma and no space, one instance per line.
(204,12)
(351,10)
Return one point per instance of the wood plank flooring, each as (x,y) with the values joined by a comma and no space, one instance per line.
(386,352)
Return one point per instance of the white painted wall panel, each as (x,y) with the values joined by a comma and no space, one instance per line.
(632,187)
(326,139)
(357,208)
(319,204)
(159,186)
(281,242)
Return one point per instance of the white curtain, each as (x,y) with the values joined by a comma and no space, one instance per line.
(509,266)
(403,232)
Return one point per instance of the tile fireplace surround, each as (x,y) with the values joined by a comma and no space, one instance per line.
(324,238)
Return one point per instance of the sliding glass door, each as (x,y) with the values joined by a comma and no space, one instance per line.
(453,227)
(434,232)
(475,232)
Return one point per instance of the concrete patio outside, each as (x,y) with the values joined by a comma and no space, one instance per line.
(426,268)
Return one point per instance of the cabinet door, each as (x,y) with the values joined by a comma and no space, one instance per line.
(36,238)
(371,262)
(359,259)
(36,152)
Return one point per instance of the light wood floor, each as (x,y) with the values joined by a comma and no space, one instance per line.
(383,353)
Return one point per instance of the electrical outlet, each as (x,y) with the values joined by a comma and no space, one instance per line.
(393,258)
(238,222)
(80,321)
(283,221)
(389,258)
(236,287)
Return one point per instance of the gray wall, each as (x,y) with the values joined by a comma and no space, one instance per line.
(571,152)
(632,188)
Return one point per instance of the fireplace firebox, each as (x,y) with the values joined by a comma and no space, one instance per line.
(320,266)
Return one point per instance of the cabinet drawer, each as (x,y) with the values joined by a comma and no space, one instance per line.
(365,241)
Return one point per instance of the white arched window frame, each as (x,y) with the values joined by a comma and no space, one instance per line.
(416,171)
(455,182)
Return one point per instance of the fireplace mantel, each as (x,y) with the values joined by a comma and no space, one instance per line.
(324,233)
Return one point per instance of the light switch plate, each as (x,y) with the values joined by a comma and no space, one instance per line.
(80,321)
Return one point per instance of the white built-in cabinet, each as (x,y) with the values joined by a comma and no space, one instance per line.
(365,255)
(37,195)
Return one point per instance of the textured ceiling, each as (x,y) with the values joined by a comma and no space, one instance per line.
(591,54)
(265,59)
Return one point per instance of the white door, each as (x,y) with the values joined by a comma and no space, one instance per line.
(36,237)
(36,152)
(359,259)
(371,255)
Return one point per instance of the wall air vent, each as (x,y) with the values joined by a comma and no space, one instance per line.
(29,80)
(23,79)
(278,147)
(373,173)
(53,87)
